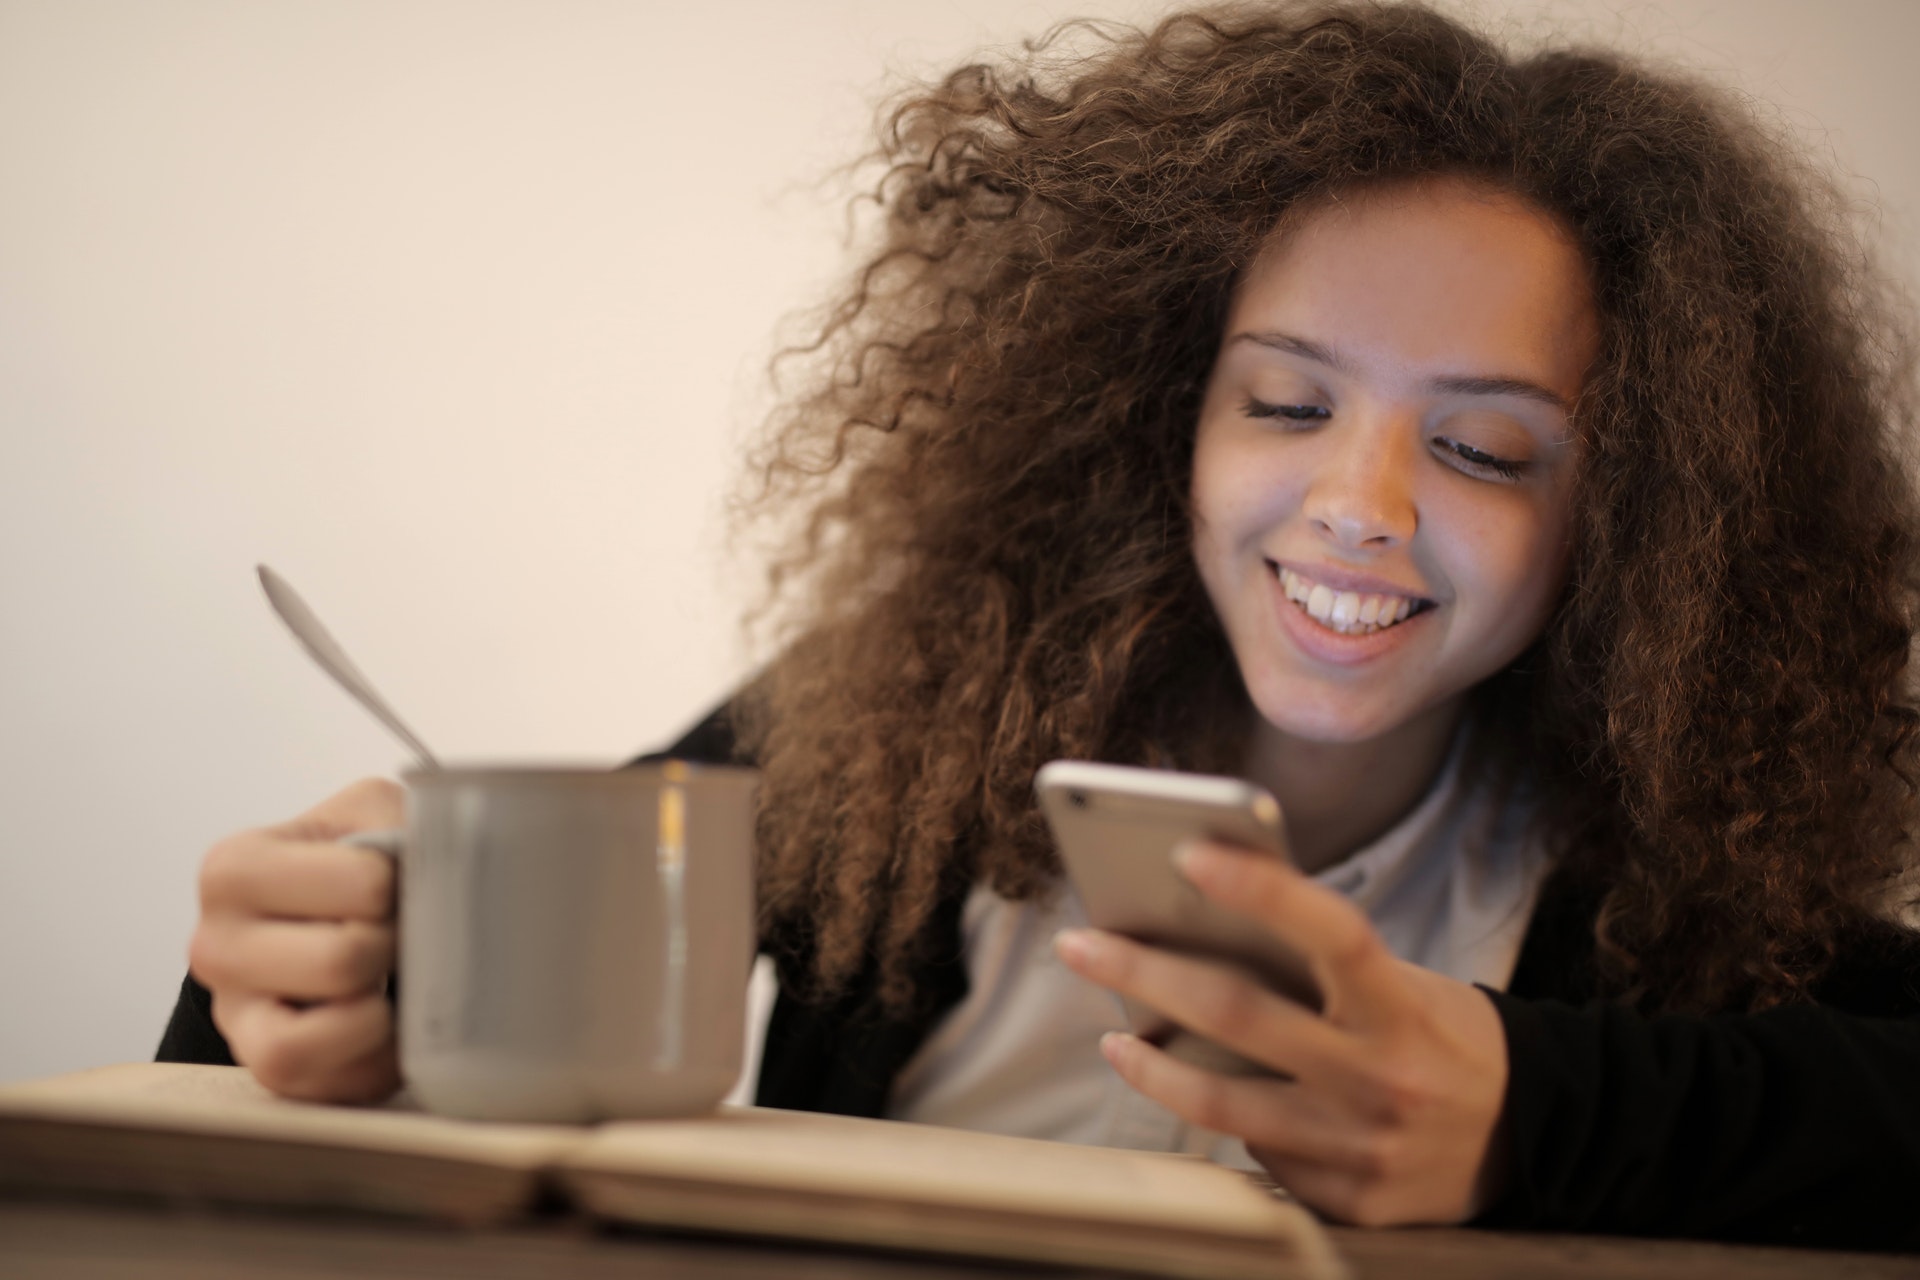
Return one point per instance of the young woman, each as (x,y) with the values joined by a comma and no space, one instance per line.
(1497,459)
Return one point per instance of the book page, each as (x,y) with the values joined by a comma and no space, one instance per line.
(228,1101)
(889,1160)
(199,1132)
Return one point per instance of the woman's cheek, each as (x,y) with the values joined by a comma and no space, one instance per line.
(1508,557)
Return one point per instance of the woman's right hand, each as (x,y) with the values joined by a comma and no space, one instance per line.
(295,941)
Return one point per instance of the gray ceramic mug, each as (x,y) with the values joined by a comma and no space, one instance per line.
(574,944)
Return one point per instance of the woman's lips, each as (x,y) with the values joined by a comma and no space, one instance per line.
(1320,641)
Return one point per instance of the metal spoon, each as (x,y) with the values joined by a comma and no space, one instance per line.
(333,660)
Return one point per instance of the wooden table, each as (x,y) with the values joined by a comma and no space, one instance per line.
(60,1238)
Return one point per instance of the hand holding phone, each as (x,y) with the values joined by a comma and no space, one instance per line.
(1116,828)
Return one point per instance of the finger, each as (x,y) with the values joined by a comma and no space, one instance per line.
(1277,1114)
(371,1078)
(371,804)
(309,960)
(333,1052)
(1358,975)
(1218,1001)
(260,874)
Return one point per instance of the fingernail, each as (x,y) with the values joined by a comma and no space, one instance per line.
(1073,944)
(1188,856)
(1116,1045)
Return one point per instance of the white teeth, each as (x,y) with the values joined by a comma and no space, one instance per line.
(1347,612)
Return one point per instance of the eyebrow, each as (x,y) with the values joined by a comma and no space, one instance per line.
(1458,385)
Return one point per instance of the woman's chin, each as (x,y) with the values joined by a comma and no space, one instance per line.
(1328,721)
(1304,709)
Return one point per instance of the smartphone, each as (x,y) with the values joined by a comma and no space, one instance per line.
(1116,828)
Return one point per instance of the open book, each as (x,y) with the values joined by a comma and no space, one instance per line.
(190,1133)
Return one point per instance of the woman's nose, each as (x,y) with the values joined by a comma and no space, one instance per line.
(1361,496)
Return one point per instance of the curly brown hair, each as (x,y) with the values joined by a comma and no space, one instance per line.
(991,464)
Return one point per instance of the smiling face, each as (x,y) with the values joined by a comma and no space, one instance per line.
(1382,472)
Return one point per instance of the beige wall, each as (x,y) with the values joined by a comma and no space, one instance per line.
(454,312)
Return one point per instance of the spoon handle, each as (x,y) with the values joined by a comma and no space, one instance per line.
(333,660)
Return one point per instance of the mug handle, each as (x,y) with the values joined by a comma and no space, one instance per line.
(392,842)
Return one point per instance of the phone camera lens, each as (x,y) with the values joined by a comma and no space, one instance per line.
(1078,799)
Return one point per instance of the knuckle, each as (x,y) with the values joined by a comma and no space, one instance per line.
(365,805)
(207,957)
(1400,1089)
(1120,960)
(223,871)
(1354,942)
(376,796)
(1228,1006)
(1213,1105)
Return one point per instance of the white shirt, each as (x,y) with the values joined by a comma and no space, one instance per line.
(1451,887)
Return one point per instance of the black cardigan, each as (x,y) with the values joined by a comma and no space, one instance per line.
(1798,1125)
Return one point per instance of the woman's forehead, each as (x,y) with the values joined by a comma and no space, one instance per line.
(1441,276)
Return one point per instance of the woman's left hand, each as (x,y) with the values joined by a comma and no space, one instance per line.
(1397,1083)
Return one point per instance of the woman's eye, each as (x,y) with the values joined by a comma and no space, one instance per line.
(1479,460)
(1292,412)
